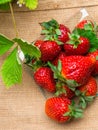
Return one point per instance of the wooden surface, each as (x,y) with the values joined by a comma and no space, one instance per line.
(22,107)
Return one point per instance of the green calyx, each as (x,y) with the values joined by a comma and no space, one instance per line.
(51,31)
(59,89)
(74,40)
(35,64)
(83,99)
(72,84)
(74,111)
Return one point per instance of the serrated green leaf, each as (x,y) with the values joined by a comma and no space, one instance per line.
(5,44)
(5,6)
(11,70)
(28,48)
(4,1)
(31,4)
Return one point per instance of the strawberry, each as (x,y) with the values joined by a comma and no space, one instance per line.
(83,23)
(49,50)
(95,55)
(38,43)
(61,109)
(87,92)
(77,68)
(77,45)
(55,31)
(44,77)
(59,57)
(73,70)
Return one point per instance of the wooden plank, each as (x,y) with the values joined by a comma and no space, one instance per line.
(22,107)
(59,4)
(28,22)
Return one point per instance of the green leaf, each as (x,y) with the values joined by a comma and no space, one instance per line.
(5,44)
(4,1)
(11,70)
(28,48)
(31,4)
(5,6)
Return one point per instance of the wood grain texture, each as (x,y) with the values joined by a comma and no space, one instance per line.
(28,22)
(22,106)
(59,4)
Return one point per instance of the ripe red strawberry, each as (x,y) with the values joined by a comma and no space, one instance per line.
(55,31)
(44,77)
(59,57)
(74,70)
(78,46)
(82,24)
(38,43)
(61,109)
(87,92)
(49,50)
(77,68)
(95,55)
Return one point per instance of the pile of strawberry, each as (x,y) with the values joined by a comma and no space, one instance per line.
(67,67)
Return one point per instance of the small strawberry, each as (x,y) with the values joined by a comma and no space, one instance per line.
(84,23)
(87,92)
(61,109)
(77,45)
(94,55)
(44,77)
(49,50)
(73,70)
(55,31)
